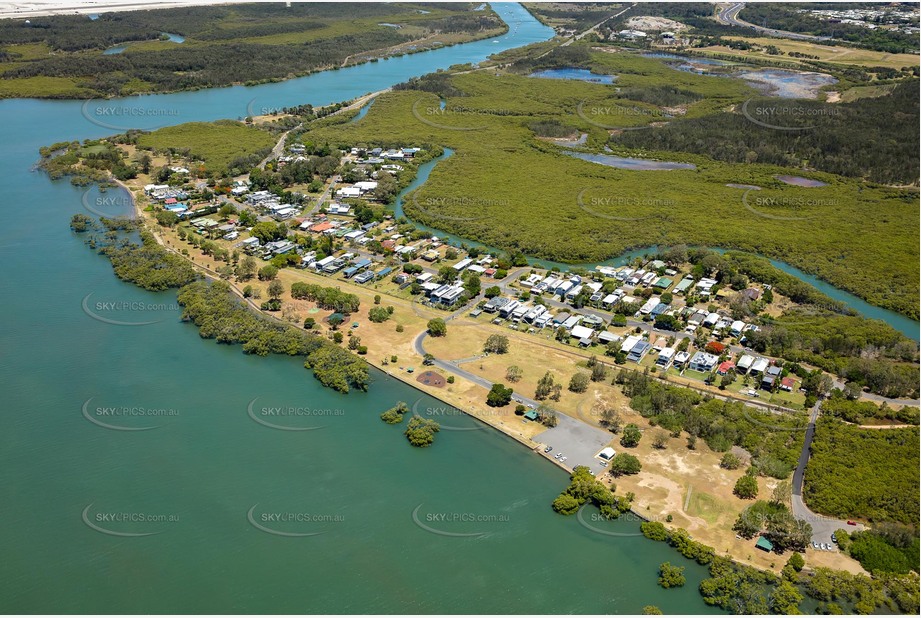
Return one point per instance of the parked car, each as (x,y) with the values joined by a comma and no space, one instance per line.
(851,523)
(548,449)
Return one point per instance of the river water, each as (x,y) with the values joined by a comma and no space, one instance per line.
(185,516)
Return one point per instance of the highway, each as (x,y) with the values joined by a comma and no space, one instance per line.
(729,15)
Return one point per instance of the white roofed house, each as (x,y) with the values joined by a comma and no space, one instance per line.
(736,328)
(581,332)
(759,366)
(348,192)
(650,304)
(681,359)
(564,287)
(666,355)
(365,185)
(744,363)
(572,321)
(629,342)
(703,362)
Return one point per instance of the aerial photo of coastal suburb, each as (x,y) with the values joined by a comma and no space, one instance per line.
(460,308)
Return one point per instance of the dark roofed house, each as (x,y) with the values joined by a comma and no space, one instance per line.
(770,376)
(764,545)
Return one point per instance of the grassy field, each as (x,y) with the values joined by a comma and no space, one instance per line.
(217,144)
(860,92)
(534,199)
(826,53)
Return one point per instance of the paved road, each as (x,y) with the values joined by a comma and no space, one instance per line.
(730,16)
(822,526)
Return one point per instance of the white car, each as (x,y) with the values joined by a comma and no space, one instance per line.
(564,459)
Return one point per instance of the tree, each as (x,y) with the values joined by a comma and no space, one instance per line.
(547,416)
(624,463)
(730,462)
(797,562)
(782,493)
(579,383)
(660,441)
(652,610)
(276,289)
(246,269)
(437,327)
(599,372)
(746,487)
(631,436)
(566,504)
(785,598)
(378,314)
(446,274)
(544,386)
(421,431)
(497,344)
(513,373)
(671,576)
(395,414)
(492,291)
(611,419)
(267,272)
(499,396)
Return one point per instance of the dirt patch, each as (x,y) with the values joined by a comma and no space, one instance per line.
(648,22)
(430,378)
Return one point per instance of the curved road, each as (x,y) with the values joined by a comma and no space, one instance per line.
(822,527)
(729,16)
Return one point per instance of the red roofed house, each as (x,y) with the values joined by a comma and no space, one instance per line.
(321,227)
(787,384)
(724,367)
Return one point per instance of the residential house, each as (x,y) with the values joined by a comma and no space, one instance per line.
(703,362)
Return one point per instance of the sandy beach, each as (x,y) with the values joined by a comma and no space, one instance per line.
(25,10)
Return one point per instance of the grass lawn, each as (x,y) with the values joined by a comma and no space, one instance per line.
(826,53)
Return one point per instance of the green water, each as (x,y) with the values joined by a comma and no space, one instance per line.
(207,464)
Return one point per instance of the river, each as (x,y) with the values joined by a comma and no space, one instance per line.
(206,480)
